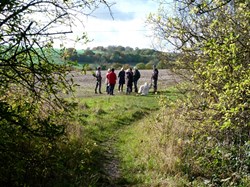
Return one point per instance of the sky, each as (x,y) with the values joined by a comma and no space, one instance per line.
(126,28)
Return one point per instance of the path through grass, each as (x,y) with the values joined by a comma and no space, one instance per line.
(104,118)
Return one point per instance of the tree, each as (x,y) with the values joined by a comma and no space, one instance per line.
(140,65)
(31,109)
(213,40)
(116,56)
(71,54)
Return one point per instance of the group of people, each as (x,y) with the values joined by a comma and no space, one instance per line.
(110,81)
(128,77)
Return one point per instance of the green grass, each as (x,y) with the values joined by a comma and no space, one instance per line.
(121,124)
(147,149)
(105,114)
(103,118)
(145,161)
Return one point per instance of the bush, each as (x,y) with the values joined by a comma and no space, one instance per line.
(149,65)
(141,66)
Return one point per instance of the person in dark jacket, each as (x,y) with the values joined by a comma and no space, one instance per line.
(129,80)
(154,78)
(136,77)
(121,76)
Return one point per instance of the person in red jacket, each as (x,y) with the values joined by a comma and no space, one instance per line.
(112,81)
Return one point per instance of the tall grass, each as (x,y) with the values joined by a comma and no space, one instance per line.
(151,148)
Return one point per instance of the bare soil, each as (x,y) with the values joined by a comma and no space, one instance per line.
(87,82)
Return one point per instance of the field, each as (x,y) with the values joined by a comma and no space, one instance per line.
(111,121)
(87,82)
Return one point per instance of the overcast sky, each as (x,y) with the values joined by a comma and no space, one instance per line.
(126,29)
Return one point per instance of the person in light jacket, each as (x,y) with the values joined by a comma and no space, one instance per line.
(98,77)
(144,89)
(107,81)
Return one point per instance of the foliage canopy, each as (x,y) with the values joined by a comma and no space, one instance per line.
(214,40)
(32,113)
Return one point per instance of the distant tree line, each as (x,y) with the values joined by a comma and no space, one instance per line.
(117,56)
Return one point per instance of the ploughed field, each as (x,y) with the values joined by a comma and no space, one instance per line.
(86,83)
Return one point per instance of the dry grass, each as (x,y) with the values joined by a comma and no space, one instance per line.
(153,148)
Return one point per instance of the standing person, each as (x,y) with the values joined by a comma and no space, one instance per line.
(129,80)
(136,77)
(98,77)
(112,81)
(121,76)
(154,78)
(107,81)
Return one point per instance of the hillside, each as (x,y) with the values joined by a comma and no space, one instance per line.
(117,56)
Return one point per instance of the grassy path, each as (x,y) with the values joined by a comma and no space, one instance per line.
(105,118)
(111,165)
